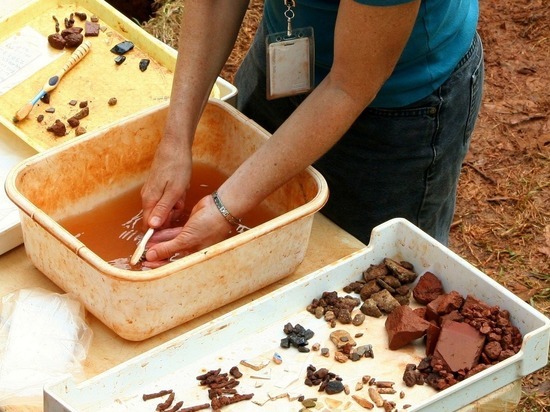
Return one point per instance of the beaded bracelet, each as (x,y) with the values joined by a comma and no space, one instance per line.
(223,210)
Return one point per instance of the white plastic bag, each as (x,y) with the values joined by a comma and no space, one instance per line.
(43,337)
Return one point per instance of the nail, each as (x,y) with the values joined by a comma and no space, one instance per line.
(152,255)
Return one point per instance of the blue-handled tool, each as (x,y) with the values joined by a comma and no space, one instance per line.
(53,81)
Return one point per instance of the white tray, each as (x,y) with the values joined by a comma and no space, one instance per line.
(256,329)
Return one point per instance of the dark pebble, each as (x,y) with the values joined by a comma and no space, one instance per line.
(143,64)
(122,47)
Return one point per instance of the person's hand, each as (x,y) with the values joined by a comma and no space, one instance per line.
(163,194)
(205,227)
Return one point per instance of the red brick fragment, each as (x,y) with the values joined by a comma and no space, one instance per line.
(403,326)
(443,305)
(420,312)
(473,304)
(428,288)
(91,29)
(432,335)
(459,346)
(454,315)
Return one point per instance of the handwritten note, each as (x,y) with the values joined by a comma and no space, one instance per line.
(23,54)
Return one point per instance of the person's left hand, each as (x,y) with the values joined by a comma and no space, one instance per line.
(205,227)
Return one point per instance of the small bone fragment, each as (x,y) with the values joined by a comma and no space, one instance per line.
(386,391)
(363,402)
(265,374)
(375,397)
(333,404)
(274,396)
(256,364)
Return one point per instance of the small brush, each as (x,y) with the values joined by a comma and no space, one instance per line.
(53,81)
(136,257)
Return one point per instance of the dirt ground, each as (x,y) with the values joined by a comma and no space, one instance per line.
(502,222)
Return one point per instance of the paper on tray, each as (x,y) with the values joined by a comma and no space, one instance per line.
(23,54)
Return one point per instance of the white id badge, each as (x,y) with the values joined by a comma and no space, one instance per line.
(290,63)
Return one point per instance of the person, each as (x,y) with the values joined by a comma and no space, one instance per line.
(397,90)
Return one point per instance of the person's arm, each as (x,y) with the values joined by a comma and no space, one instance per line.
(208,33)
(368,43)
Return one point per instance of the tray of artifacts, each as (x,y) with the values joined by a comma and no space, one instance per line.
(69,67)
(403,324)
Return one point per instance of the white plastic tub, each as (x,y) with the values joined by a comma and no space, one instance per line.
(255,329)
(136,305)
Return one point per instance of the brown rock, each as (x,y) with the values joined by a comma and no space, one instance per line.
(403,290)
(368,289)
(459,346)
(344,316)
(375,271)
(384,285)
(392,281)
(71,30)
(492,350)
(73,40)
(91,29)
(358,319)
(340,338)
(369,308)
(403,299)
(385,301)
(82,113)
(57,41)
(79,131)
(428,288)
(58,128)
(73,122)
(404,274)
(403,326)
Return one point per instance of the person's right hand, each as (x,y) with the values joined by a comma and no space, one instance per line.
(163,194)
(205,227)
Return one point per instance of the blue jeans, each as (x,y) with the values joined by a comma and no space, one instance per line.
(399,162)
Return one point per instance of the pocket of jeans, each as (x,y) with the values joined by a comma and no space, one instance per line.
(476,92)
(397,131)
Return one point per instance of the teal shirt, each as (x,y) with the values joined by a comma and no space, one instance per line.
(442,34)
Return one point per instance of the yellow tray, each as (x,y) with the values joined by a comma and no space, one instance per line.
(96,78)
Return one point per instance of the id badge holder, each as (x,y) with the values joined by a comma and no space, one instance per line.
(290,63)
